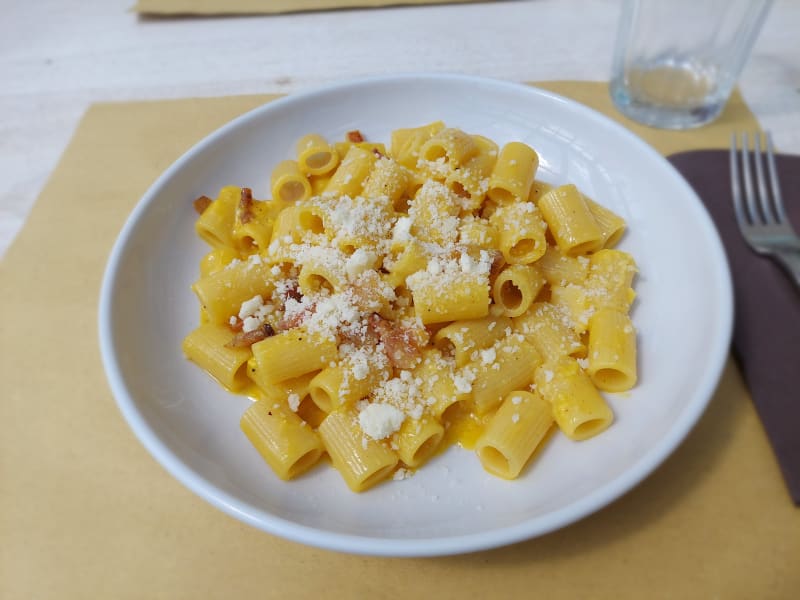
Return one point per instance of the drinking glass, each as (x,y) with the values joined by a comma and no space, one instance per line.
(677,61)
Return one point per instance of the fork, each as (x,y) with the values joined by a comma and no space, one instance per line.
(760,213)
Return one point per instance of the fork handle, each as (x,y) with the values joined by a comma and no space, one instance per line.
(790,261)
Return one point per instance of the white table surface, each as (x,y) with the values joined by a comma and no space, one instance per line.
(59,56)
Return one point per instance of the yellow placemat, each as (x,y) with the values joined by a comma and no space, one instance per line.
(85,512)
(255,7)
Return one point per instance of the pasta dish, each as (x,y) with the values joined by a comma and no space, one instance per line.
(390,300)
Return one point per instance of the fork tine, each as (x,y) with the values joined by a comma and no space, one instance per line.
(749,195)
(761,181)
(774,184)
(736,190)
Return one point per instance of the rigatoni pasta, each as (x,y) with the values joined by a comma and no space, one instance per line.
(515,289)
(512,176)
(385,303)
(578,408)
(207,346)
(570,221)
(285,441)
(315,156)
(513,433)
(289,184)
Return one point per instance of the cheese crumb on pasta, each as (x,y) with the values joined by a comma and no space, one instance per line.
(379,421)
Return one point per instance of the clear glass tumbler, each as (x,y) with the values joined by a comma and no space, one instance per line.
(676,61)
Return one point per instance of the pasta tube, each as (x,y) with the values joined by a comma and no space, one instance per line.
(612,351)
(279,392)
(451,146)
(550,331)
(466,296)
(611,274)
(559,269)
(477,232)
(470,181)
(463,339)
(283,439)
(288,183)
(216,260)
(570,221)
(207,347)
(222,293)
(611,225)
(507,366)
(336,387)
(434,214)
(292,353)
(522,232)
(215,225)
(515,289)
(417,440)
(295,222)
(361,461)
(411,259)
(349,178)
(578,408)
(442,385)
(406,143)
(513,433)
(513,173)
(388,179)
(315,156)
(575,302)
(318,184)
(318,272)
(538,189)
(252,229)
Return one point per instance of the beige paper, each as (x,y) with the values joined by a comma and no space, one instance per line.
(85,512)
(255,7)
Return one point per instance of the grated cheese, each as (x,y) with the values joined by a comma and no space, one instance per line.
(249,307)
(294,402)
(379,421)
(488,356)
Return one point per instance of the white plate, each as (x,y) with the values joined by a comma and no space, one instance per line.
(683,315)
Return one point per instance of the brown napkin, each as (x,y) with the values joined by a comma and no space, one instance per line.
(255,7)
(766,336)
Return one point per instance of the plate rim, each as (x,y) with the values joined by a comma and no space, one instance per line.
(364,545)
